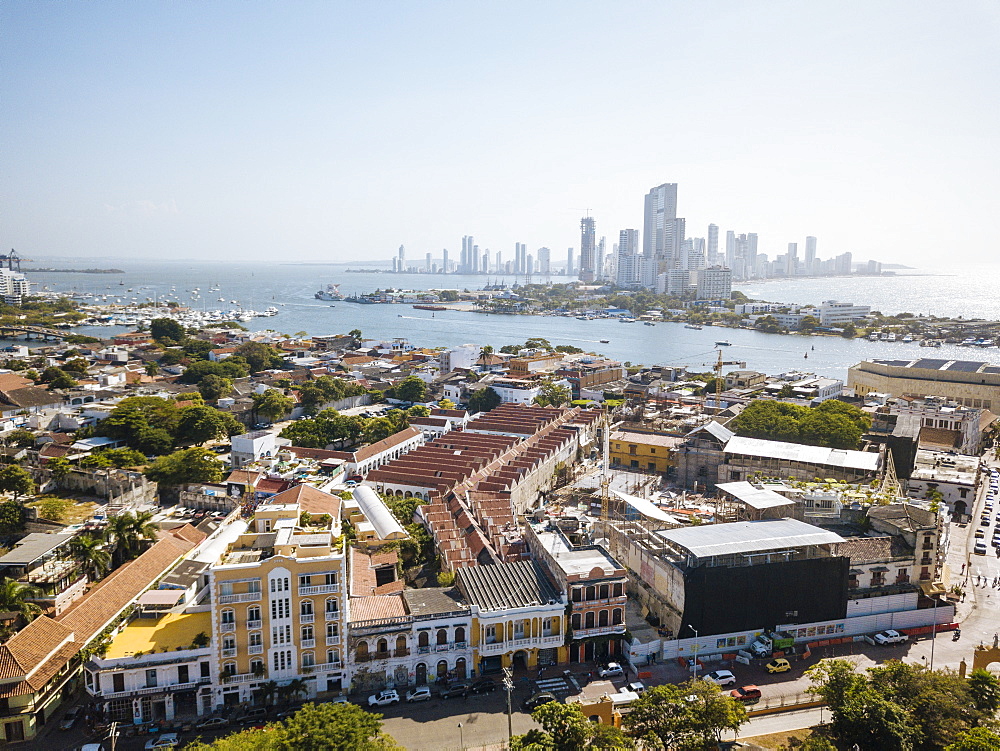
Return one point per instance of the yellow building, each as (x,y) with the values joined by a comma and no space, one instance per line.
(278,600)
(648,452)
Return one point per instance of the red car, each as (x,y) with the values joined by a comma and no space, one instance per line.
(746,694)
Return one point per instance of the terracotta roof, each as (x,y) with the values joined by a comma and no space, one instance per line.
(866,549)
(12,381)
(363,580)
(268,485)
(310,499)
(111,595)
(377,607)
(31,646)
(385,444)
(31,396)
(308,453)
(244,477)
(188,533)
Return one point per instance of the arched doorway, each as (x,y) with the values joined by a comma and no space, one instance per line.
(442,671)
(421,674)
(460,669)
(961,508)
(520,660)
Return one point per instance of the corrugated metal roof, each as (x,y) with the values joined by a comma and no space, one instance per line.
(758,498)
(710,540)
(795,452)
(33,547)
(377,512)
(506,585)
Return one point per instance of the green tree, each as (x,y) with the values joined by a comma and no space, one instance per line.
(15,596)
(52,508)
(60,467)
(89,553)
(15,480)
(231,368)
(272,404)
(410,389)
(484,400)
(419,410)
(976,739)
(377,429)
(20,437)
(315,727)
(12,517)
(126,532)
(849,331)
(200,423)
(446,404)
(553,394)
(355,334)
(808,323)
(984,688)
(259,356)
(213,387)
(664,718)
(166,330)
(185,466)
(565,728)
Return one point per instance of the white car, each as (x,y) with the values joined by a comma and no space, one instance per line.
(383,698)
(889,637)
(721,678)
(166,740)
(613,670)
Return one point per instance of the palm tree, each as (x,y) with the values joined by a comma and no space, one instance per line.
(14,596)
(296,687)
(127,531)
(88,551)
(266,692)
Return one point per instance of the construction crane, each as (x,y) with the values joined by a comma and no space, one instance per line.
(717,369)
(12,260)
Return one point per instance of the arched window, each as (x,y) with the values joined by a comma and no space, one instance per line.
(576,621)
(602,618)
(591,592)
(605,591)
(442,636)
(256,667)
(307,633)
(382,646)
(229,615)
(333,655)
(332,606)
(589,620)
(308,659)
(306,607)
(618,616)
(460,634)
(401,644)
(229,642)
(424,639)
(253,613)
(229,668)
(361,650)
(332,630)
(256,639)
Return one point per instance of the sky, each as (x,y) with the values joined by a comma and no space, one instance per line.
(327,131)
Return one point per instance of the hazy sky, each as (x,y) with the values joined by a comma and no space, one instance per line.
(336,131)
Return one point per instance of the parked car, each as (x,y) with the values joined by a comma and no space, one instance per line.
(258,713)
(164,740)
(889,637)
(484,686)
(612,670)
(980,534)
(979,548)
(534,701)
(455,689)
(984,521)
(721,678)
(383,698)
(339,700)
(746,694)
(637,687)
(420,693)
(69,719)
(210,723)
(781,665)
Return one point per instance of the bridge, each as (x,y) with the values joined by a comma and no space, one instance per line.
(10,331)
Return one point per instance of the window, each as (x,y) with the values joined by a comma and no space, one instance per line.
(332,606)
(253,613)
(332,630)
(634,464)
(280,584)
(229,643)
(118,681)
(306,607)
(442,636)
(333,655)
(460,634)
(206,669)
(305,580)
(254,586)
(229,668)
(604,591)
(878,578)
(226,589)
(183,676)
(330,579)
(307,633)
(281,634)
(577,594)
(546,627)
(632,449)
(491,634)
(229,615)
(256,639)
(618,616)
(424,639)
(308,659)
(382,646)
(576,621)
(519,629)
(256,667)
(280,609)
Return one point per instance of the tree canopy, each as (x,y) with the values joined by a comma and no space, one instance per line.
(484,400)
(553,395)
(833,423)
(565,728)
(15,480)
(184,466)
(315,727)
(688,717)
(272,404)
(166,329)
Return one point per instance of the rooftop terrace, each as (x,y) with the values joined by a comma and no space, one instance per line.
(171,632)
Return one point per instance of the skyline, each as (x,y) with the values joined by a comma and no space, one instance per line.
(322,132)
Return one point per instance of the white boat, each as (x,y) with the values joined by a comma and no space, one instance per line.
(723,343)
(907,339)
(695,326)
(892,337)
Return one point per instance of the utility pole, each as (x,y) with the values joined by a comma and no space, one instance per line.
(696,645)
(508,684)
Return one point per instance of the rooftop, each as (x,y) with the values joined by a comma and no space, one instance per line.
(647,439)
(32,547)
(734,538)
(578,561)
(433,600)
(171,632)
(754,497)
(506,585)
(829,457)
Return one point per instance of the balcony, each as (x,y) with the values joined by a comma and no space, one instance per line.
(152,690)
(227,628)
(584,633)
(381,655)
(322,667)
(241,678)
(231,652)
(256,649)
(322,589)
(307,643)
(253,625)
(423,650)
(244,597)
(332,641)
(333,615)
(404,652)
(306,618)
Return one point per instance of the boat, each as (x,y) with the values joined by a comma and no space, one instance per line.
(695,326)
(723,343)
(605,341)
(648,323)
(330,293)
(892,337)
(430,307)
(907,339)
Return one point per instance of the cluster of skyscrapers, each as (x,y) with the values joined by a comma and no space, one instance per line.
(662,257)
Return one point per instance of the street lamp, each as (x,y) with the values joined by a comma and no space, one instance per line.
(508,684)
(934,631)
(695,650)
(461,737)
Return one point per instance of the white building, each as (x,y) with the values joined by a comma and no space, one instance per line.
(833,313)
(715,283)
(250,447)
(464,356)
(13,286)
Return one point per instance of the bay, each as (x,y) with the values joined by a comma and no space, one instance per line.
(291,288)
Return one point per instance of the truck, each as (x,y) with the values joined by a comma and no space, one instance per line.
(769,642)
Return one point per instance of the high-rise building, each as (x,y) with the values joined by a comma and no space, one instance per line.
(751,254)
(628,271)
(427,263)
(544,256)
(588,249)
(713,244)
(730,248)
(660,208)
(402,258)
(599,258)
(792,259)
(444,261)
(715,283)
(809,262)
(570,262)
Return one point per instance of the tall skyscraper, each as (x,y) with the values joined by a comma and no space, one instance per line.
(599,258)
(570,263)
(588,249)
(713,244)
(751,252)
(544,256)
(444,261)
(809,262)
(402,258)
(660,207)
(792,259)
(628,272)
(427,263)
